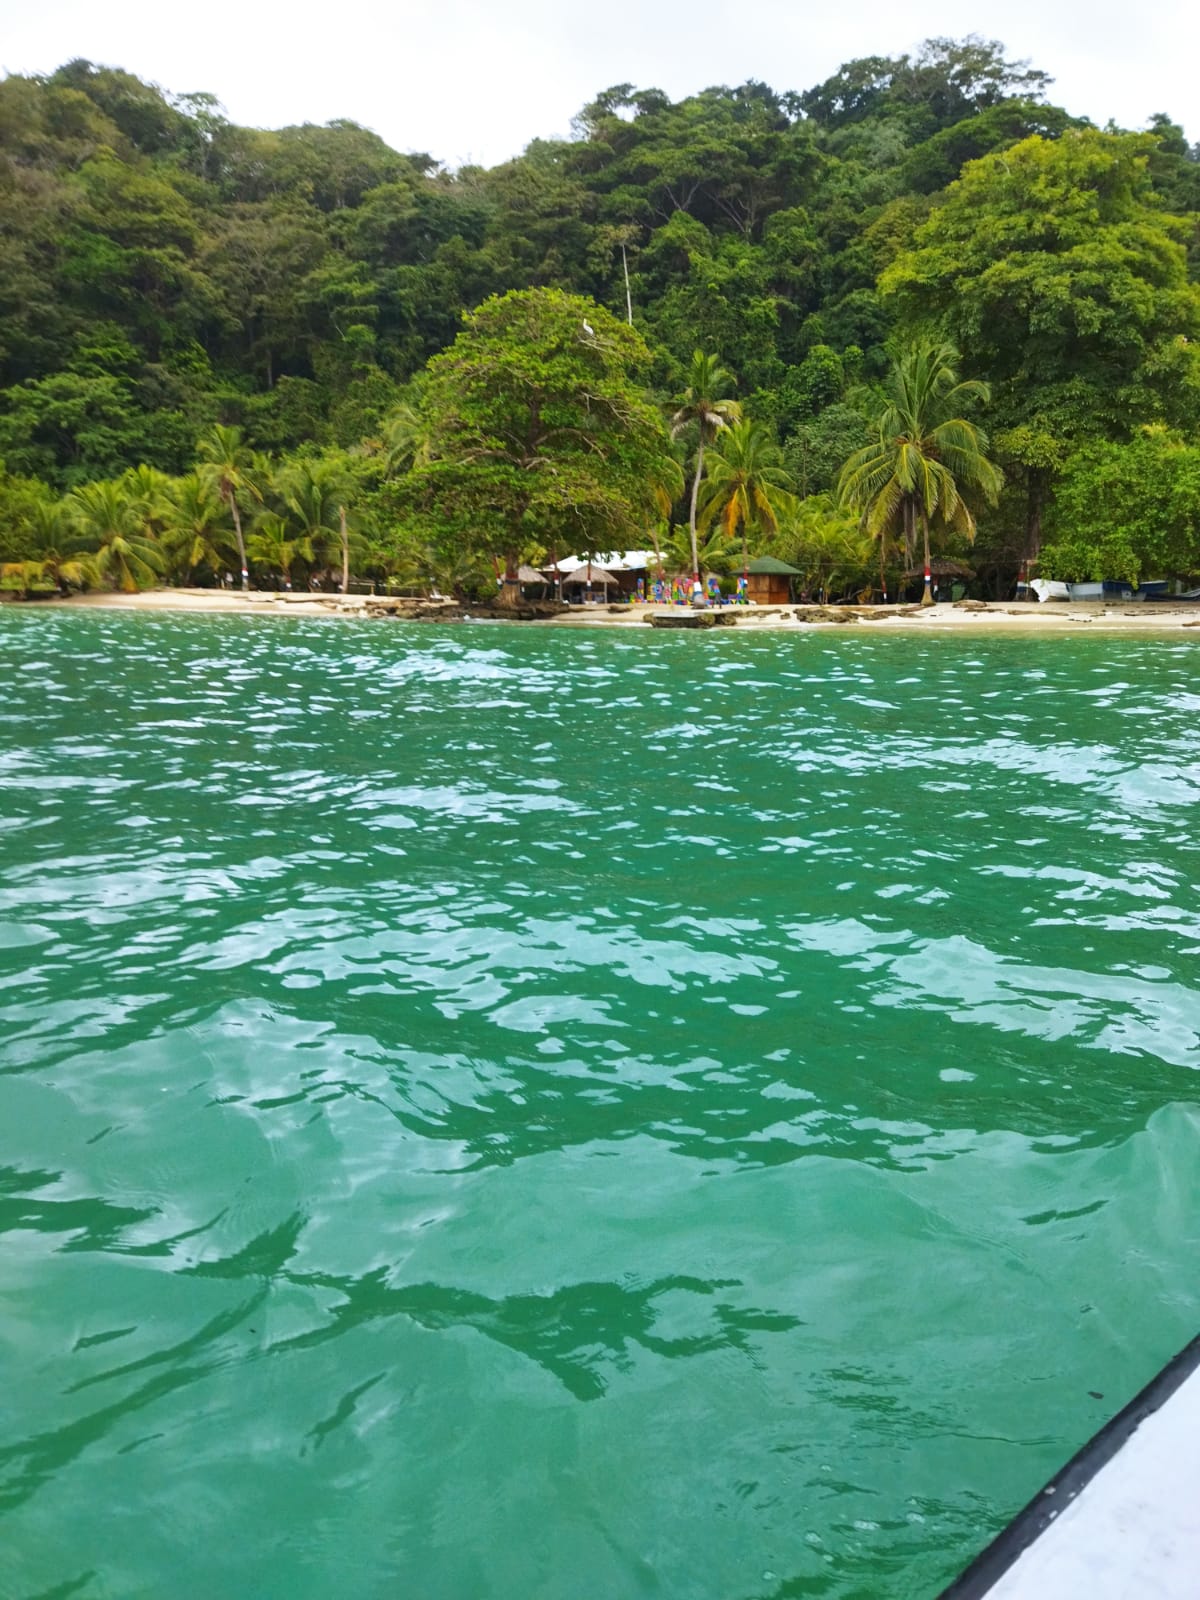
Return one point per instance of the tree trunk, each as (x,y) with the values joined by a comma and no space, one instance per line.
(628,295)
(882,572)
(345,550)
(510,589)
(910,532)
(1035,504)
(692,514)
(657,551)
(927,597)
(241,543)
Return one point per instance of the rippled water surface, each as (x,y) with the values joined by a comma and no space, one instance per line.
(505,1114)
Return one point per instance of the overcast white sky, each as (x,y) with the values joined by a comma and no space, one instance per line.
(468,80)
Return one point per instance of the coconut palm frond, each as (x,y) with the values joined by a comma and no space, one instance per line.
(927,454)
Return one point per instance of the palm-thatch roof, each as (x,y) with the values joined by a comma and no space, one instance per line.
(591,574)
(531,575)
(943,567)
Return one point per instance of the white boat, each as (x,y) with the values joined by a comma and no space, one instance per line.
(1122,1518)
(1048,589)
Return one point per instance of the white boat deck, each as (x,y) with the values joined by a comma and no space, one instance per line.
(1122,1520)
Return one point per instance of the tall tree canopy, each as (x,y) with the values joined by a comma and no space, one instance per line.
(537,431)
(1056,271)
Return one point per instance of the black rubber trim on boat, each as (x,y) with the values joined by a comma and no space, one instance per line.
(990,1565)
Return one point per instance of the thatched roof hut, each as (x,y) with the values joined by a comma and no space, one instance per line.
(943,567)
(599,577)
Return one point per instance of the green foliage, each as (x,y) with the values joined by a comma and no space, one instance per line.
(815,452)
(702,410)
(537,430)
(926,456)
(829,546)
(111,526)
(30,521)
(164,272)
(1127,510)
(1056,272)
(197,530)
(748,488)
(272,544)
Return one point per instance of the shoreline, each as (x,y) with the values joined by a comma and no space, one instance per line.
(974,616)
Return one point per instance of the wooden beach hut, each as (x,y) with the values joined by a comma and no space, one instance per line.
(769,581)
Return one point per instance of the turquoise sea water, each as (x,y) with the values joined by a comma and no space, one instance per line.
(493,1113)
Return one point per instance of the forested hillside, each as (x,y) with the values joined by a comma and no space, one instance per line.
(163,271)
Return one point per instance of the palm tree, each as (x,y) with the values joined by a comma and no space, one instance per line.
(149,491)
(51,528)
(713,555)
(703,405)
(194,527)
(924,456)
(748,484)
(313,495)
(665,489)
(104,515)
(828,544)
(227,464)
(405,439)
(270,543)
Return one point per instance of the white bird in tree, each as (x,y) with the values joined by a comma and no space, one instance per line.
(588,329)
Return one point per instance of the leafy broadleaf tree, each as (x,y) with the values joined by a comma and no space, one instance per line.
(703,408)
(1127,510)
(1056,271)
(538,432)
(924,457)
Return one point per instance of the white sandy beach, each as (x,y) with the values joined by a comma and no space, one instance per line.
(971,616)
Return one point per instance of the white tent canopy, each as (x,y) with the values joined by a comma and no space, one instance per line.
(611,561)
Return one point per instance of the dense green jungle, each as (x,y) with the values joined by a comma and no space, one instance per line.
(226,347)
